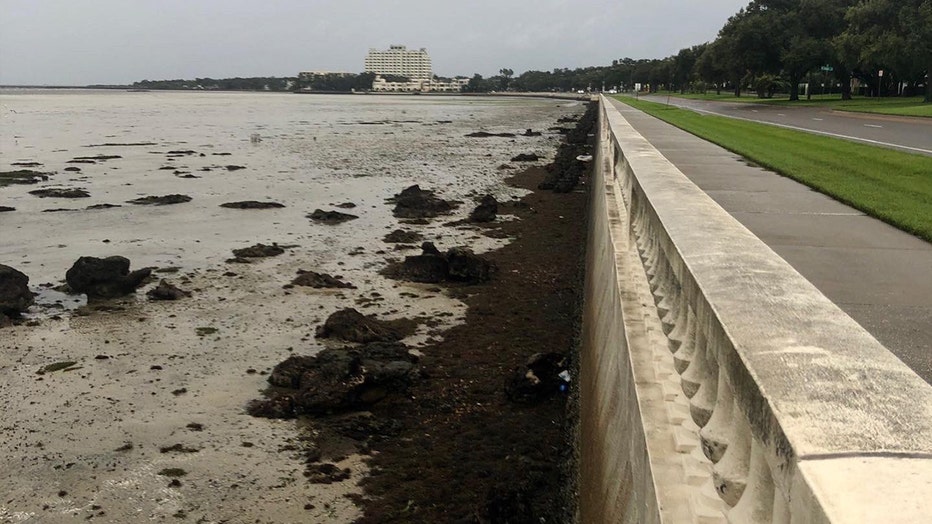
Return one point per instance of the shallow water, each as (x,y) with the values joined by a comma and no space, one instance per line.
(62,429)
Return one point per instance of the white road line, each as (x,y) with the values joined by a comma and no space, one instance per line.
(815,131)
(781,114)
(872,125)
(818,119)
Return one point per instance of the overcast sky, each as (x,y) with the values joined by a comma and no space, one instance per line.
(80,42)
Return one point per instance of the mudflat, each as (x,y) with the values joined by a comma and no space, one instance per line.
(134,409)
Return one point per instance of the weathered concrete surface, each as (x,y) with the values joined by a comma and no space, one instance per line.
(788,389)
(879,275)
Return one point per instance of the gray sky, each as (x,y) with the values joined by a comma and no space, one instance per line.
(79,42)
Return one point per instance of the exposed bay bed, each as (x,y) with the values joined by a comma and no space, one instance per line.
(156,386)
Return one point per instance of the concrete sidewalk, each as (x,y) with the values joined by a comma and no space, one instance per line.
(879,275)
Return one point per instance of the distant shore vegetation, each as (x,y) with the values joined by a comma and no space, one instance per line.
(873,48)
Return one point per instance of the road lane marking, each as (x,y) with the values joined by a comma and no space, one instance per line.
(872,125)
(781,114)
(818,119)
(816,131)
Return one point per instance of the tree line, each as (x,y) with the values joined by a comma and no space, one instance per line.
(773,46)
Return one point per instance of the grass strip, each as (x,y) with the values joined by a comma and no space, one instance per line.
(900,106)
(893,186)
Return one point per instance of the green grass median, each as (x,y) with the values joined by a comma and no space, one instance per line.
(901,106)
(893,186)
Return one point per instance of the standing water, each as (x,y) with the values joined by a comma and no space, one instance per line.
(149,375)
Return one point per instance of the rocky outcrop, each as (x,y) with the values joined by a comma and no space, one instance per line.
(104,277)
(22,176)
(337,380)
(59,192)
(259,251)
(458,264)
(414,202)
(166,291)
(252,204)
(319,280)
(330,217)
(525,157)
(485,211)
(352,326)
(163,200)
(15,297)
(400,236)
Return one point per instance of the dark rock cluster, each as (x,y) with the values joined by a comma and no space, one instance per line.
(458,264)
(104,277)
(338,380)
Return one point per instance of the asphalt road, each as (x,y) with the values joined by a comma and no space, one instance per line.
(910,134)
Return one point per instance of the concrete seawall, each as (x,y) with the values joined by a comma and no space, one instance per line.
(717,384)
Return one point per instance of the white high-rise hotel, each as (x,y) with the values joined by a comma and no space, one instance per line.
(398,60)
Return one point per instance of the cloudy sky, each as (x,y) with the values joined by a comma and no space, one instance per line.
(79,42)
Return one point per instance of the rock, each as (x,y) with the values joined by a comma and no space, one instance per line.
(58,192)
(400,236)
(73,169)
(26,164)
(252,204)
(483,134)
(95,158)
(259,251)
(486,211)
(432,266)
(104,277)
(234,168)
(160,200)
(426,268)
(22,176)
(181,152)
(15,297)
(466,266)
(352,326)
(4,209)
(414,202)
(103,206)
(538,379)
(319,280)
(330,217)
(347,205)
(530,132)
(338,380)
(166,291)
(526,157)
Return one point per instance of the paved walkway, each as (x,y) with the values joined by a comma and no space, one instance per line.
(879,275)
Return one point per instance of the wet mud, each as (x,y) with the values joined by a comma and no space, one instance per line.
(140,409)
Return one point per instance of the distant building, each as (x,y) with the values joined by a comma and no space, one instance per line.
(310,75)
(454,85)
(398,60)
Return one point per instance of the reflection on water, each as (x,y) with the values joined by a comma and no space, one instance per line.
(312,152)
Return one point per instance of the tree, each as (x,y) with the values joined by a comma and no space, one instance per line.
(890,35)
(683,64)
(506,75)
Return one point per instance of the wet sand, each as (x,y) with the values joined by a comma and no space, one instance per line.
(86,442)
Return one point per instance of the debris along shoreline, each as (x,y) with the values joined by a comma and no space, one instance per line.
(478,426)
(148,367)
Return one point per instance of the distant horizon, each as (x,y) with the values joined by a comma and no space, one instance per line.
(111,42)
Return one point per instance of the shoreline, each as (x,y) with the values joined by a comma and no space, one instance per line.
(149,377)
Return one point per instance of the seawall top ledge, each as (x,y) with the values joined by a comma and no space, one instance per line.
(830,387)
